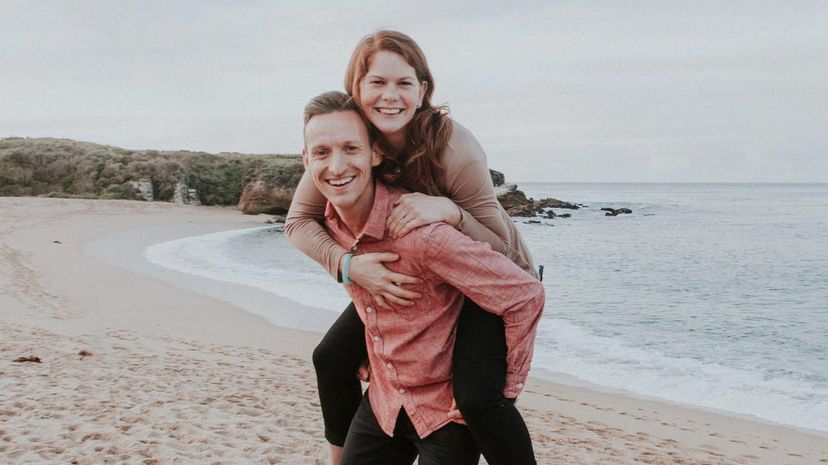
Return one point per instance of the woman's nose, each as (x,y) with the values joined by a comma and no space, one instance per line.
(390,93)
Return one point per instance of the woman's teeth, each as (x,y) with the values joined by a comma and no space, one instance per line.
(390,111)
(340,182)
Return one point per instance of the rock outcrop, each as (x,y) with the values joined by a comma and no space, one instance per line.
(269,189)
(515,203)
(184,195)
(139,190)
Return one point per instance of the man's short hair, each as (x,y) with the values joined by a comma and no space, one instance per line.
(330,102)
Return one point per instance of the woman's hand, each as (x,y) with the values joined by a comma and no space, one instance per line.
(385,286)
(415,209)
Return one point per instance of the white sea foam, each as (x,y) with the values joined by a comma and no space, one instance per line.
(693,298)
(566,348)
(212,256)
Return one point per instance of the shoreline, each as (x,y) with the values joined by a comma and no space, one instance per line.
(56,293)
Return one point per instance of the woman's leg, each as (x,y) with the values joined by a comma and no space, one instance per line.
(479,375)
(336,359)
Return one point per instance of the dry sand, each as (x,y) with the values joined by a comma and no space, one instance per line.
(177,377)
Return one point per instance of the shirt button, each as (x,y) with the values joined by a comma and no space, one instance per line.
(519,385)
(402,391)
(376,338)
(388,365)
(369,309)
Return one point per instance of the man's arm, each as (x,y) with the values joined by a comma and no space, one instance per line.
(498,286)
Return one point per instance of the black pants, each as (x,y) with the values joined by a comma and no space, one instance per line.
(367,443)
(479,372)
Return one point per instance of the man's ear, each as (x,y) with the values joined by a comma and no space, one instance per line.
(376,156)
(305,157)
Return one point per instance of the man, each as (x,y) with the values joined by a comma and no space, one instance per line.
(404,413)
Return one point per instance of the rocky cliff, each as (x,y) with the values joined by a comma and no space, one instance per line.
(255,183)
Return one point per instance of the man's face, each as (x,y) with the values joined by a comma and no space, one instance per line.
(339,157)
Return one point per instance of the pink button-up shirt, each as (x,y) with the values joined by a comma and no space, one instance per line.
(410,348)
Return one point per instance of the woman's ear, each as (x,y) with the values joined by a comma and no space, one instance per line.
(423,89)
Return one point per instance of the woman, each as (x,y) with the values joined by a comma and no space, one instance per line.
(445,168)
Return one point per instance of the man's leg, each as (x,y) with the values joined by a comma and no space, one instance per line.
(367,443)
(452,444)
(336,360)
(479,375)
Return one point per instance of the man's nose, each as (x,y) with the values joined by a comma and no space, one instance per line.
(337,165)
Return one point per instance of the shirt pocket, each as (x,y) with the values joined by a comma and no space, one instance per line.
(421,306)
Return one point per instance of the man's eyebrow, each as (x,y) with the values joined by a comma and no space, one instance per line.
(318,146)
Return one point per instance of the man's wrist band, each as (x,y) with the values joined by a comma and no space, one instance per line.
(346,264)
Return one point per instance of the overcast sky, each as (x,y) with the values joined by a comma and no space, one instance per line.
(660,91)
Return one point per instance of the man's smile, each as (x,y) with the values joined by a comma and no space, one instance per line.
(339,182)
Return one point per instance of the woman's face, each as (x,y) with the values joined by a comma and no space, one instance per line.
(390,95)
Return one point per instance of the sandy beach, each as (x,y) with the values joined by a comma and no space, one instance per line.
(136,370)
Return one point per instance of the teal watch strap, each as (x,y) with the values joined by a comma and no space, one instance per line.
(346,264)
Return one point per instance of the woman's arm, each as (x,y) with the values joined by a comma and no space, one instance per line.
(475,211)
(305,231)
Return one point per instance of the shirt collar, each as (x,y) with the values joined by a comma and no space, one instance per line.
(375,226)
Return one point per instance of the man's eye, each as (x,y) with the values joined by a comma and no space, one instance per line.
(320,153)
(352,148)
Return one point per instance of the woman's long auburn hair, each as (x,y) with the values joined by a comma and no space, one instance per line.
(417,166)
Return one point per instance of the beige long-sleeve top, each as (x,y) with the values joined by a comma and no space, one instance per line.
(465,179)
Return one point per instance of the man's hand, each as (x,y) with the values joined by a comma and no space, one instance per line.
(454,413)
(385,286)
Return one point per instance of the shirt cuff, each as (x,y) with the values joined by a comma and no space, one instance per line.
(514,385)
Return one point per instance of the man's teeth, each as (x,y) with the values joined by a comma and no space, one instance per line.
(390,111)
(340,182)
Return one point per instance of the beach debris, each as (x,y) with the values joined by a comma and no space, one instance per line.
(57,242)
(616,211)
(278,219)
(263,438)
(84,353)
(31,358)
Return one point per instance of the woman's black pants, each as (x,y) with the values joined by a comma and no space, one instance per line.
(479,375)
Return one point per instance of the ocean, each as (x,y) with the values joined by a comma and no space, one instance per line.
(709,295)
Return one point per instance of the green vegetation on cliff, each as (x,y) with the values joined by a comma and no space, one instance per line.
(67,168)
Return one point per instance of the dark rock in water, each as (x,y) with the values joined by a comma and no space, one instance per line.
(515,203)
(564,215)
(555,203)
(550,214)
(57,242)
(498,179)
(31,359)
(533,222)
(616,211)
